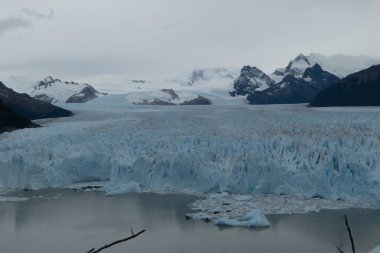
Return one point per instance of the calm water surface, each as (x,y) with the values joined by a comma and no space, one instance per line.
(77,221)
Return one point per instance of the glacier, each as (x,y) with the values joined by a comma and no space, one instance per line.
(330,153)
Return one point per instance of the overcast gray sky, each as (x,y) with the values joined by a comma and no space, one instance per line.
(153,37)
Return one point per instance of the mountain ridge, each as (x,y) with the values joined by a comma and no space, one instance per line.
(358,89)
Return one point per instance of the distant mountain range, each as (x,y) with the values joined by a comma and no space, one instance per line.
(358,89)
(292,89)
(299,82)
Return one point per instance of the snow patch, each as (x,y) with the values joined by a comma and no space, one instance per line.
(233,206)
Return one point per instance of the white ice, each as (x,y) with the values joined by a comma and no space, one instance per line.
(329,153)
(122,188)
(254,218)
(375,250)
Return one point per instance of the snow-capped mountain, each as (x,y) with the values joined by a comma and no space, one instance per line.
(199,76)
(339,65)
(294,89)
(220,78)
(295,68)
(251,79)
(211,83)
(299,82)
(54,90)
(302,79)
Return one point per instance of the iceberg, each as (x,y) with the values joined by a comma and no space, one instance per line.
(375,250)
(255,218)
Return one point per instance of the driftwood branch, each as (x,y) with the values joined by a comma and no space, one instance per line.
(93,250)
(339,249)
(350,234)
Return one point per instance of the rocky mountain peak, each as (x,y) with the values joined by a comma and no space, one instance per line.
(48,79)
(250,80)
(301,58)
(251,71)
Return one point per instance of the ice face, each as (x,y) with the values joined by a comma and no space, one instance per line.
(327,153)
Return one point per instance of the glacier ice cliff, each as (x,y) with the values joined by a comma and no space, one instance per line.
(327,152)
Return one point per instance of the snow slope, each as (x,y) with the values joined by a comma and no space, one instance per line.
(342,65)
(55,90)
(198,79)
(331,153)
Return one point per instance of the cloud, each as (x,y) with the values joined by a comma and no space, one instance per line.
(9,24)
(35,14)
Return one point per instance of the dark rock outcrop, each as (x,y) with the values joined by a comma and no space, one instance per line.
(200,100)
(45,98)
(172,93)
(155,101)
(86,94)
(28,107)
(9,120)
(358,89)
(196,76)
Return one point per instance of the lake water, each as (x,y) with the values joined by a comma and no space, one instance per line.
(74,222)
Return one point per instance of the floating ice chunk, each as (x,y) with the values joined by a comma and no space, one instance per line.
(123,188)
(13,199)
(228,222)
(219,195)
(255,218)
(88,186)
(242,197)
(199,216)
(375,250)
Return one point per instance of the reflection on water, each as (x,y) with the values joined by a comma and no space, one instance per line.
(78,221)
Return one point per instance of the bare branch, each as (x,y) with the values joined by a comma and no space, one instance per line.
(116,242)
(350,234)
(339,249)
